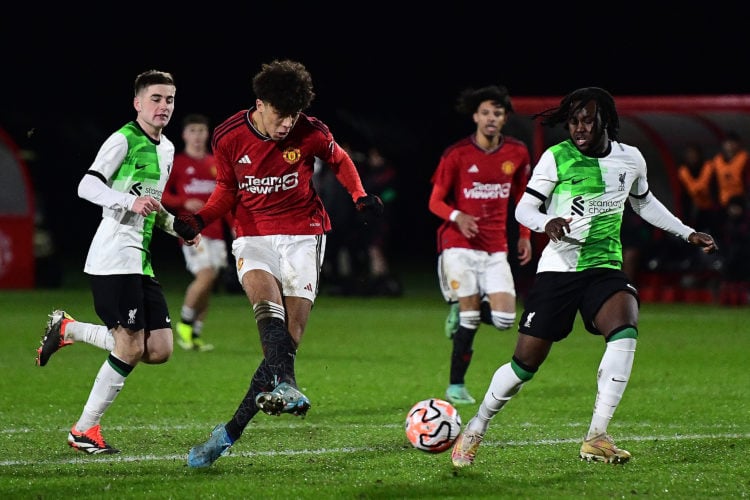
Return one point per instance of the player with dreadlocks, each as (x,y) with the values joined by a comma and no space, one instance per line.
(576,196)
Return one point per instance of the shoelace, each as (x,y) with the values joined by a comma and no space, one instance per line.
(95,434)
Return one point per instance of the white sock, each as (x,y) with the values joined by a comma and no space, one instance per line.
(107,386)
(504,385)
(503,320)
(197,327)
(187,313)
(470,319)
(97,335)
(612,379)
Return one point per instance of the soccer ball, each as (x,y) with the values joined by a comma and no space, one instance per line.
(432,425)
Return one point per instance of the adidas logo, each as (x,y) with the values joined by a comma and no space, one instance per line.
(244,159)
(473,169)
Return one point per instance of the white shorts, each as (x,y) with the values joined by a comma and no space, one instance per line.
(210,252)
(463,272)
(294,260)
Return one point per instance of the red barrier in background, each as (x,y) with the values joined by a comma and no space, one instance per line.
(16,218)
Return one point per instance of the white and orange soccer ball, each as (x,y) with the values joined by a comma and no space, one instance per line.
(432,425)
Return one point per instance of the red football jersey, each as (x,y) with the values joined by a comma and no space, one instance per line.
(480,183)
(268,184)
(192,178)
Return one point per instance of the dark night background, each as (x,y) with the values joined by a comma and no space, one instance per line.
(381,76)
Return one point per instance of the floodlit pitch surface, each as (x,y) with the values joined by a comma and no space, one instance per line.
(685,416)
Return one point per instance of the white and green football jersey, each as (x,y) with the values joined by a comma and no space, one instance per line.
(593,192)
(130,162)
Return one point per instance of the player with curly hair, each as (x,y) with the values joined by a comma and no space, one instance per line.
(265,157)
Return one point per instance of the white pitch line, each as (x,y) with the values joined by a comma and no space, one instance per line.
(80,458)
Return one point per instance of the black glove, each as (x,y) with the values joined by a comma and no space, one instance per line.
(188,226)
(370,207)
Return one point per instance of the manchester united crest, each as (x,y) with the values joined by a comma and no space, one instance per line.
(507,167)
(291,156)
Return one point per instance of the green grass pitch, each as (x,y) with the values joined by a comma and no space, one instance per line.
(364,361)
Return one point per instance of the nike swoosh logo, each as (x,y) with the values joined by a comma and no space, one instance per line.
(577,181)
(140,167)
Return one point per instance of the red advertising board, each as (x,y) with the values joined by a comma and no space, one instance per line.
(16,218)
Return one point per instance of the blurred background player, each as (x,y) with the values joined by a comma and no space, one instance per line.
(732,169)
(734,289)
(379,178)
(191,182)
(358,255)
(699,200)
(472,185)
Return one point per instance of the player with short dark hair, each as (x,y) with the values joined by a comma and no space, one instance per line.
(576,196)
(126,179)
(192,181)
(266,156)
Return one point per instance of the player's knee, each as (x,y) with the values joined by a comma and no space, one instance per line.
(156,356)
(503,320)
